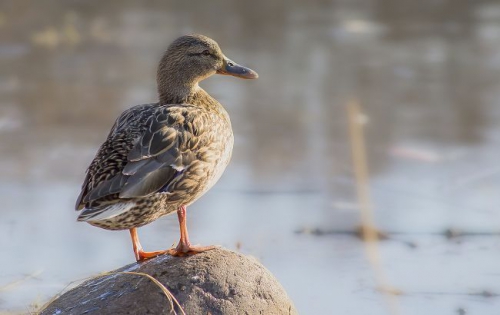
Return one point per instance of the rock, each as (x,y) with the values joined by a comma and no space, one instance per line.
(214,282)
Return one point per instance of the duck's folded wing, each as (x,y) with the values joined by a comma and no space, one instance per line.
(158,158)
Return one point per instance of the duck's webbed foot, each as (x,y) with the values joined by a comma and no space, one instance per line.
(184,247)
(185,250)
(141,255)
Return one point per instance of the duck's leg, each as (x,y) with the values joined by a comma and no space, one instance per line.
(141,255)
(184,247)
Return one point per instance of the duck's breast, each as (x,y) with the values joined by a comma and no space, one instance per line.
(214,156)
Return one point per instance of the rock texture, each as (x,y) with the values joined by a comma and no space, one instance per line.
(215,282)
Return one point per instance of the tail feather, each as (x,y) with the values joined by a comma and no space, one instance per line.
(105,212)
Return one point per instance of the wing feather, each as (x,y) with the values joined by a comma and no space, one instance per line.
(162,149)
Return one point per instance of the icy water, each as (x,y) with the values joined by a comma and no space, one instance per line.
(427,74)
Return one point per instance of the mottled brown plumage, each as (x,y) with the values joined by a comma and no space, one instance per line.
(159,158)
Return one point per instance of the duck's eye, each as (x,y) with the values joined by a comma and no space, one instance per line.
(206,52)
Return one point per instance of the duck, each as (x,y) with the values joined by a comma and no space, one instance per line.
(161,157)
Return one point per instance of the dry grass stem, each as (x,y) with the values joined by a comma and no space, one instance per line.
(167,293)
(171,298)
(368,231)
(14,284)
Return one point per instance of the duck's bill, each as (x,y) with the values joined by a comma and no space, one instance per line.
(232,68)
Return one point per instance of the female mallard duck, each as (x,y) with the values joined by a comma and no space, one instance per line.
(161,157)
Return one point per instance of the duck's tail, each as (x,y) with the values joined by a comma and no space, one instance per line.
(105,212)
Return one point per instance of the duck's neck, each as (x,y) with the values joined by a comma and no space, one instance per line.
(194,95)
(176,93)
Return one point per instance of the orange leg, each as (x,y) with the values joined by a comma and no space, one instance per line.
(141,255)
(184,247)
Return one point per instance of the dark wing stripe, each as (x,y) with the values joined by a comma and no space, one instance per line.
(151,176)
(145,184)
(105,188)
(118,183)
(133,166)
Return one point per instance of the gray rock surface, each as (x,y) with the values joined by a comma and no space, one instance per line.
(215,282)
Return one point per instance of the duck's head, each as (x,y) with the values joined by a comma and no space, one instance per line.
(192,58)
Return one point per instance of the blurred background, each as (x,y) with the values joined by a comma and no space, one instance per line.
(427,77)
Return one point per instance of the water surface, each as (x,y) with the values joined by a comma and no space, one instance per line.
(426,73)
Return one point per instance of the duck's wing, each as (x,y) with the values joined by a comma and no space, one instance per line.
(112,155)
(157,158)
(164,151)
